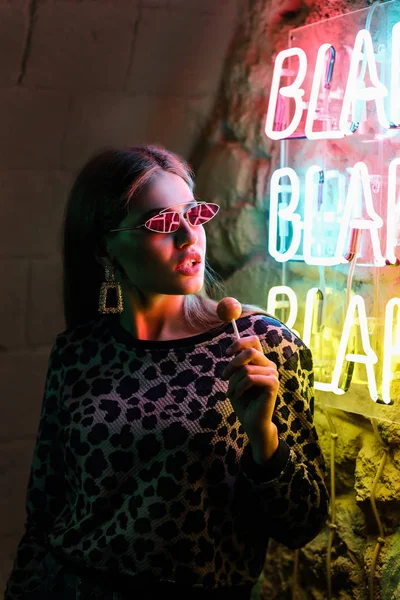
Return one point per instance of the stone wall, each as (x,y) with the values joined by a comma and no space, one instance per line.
(234,160)
(74,76)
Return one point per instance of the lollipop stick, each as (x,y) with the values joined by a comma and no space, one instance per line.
(235,329)
(229,309)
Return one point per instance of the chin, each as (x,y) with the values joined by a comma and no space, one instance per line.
(192,286)
(193,289)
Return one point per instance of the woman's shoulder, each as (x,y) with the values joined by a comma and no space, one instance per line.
(74,335)
(263,321)
(277,339)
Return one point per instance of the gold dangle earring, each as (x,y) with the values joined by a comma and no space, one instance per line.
(110,285)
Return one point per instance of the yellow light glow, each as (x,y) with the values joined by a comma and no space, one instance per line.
(389,348)
(369,358)
(312,306)
(273,304)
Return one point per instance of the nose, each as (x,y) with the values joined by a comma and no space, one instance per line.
(186,233)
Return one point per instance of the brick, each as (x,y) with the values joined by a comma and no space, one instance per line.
(154,3)
(6,562)
(15,462)
(81,45)
(13,29)
(46,317)
(217,7)
(186,53)
(101,119)
(23,379)
(176,122)
(13,302)
(31,212)
(31,128)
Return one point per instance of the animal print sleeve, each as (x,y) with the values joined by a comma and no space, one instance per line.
(292,488)
(45,489)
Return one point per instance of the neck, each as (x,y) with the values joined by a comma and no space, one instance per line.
(154,319)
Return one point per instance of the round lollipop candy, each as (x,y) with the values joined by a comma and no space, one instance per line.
(230,309)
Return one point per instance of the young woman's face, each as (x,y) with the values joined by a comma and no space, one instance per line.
(146,260)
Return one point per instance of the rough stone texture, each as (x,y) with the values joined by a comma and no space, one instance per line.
(351,541)
(238,235)
(247,284)
(311,578)
(228,174)
(390,571)
(345,448)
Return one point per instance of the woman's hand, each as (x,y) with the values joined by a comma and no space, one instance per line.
(250,368)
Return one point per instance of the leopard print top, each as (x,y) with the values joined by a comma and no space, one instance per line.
(141,467)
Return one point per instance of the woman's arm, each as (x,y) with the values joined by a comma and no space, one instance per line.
(292,482)
(45,492)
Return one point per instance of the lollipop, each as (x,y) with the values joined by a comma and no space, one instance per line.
(229,309)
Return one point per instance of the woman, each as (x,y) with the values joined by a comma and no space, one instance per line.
(168,451)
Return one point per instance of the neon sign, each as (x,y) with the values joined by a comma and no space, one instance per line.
(356,313)
(356,93)
(348,218)
(334,203)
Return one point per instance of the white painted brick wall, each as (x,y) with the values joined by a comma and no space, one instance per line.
(31,212)
(14,472)
(194,44)
(45,315)
(98,119)
(32,124)
(82,45)
(22,375)
(101,119)
(14,302)
(13,26)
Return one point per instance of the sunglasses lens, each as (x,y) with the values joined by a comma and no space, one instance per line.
(200,214)
(168,222)
(164,223)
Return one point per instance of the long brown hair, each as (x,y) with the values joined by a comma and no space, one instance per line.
(98,201)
